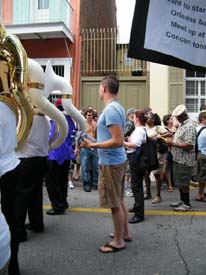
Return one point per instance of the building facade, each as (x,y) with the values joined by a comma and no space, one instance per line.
(46,30)
(80,39)
(170,86)
(50,30)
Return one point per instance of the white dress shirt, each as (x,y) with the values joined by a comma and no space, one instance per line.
(137,137)
(37,142)
(8,141)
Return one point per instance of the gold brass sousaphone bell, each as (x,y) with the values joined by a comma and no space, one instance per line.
(13,82)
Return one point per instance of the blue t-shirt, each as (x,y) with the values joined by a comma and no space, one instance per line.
(202,141)
(113,114)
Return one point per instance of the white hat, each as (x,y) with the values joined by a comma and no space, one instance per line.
(179,110)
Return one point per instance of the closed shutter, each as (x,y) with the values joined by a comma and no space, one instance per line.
(176,87)
(131,93)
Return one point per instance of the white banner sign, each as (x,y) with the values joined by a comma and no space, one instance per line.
(178,28)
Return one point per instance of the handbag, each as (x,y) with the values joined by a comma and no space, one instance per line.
(162,146)
(148,156)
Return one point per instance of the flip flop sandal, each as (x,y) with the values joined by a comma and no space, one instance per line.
(128,240)
(113,248)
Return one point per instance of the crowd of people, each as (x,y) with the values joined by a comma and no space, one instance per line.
(109,158)
(175,146)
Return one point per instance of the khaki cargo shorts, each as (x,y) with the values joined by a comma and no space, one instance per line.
(182,174)
(111,185)
(201,168)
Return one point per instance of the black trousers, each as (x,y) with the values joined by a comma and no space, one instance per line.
(57,184)
(30,190)
(9,204)
(137,175)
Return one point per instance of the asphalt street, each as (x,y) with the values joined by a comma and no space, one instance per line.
(166,243)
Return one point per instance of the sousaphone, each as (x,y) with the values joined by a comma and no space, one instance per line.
(13,82)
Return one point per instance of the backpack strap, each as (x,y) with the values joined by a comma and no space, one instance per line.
(198,134)
(147,138)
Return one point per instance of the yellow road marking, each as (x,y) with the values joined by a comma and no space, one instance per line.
(147,212)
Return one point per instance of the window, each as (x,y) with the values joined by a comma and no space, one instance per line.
(194,74)
(43,4)
(192,105)
(191,88)
(195,91)
(190,73)
(61,67)
(58,69)
(128,62)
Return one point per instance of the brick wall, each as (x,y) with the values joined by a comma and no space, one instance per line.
(98,14)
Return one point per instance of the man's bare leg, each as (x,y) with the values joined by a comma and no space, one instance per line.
(127,234)
(201,191)
(118,222)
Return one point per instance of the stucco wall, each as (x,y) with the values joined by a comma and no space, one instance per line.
(159,88)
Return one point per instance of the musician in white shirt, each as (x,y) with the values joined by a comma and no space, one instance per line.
(33,155)
(9,178)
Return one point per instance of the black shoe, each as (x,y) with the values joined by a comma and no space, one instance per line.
(55,212)
(35,229)
(131,210)
(95,187)
(22,238)
(136,219)
(147,196)
(13,269)
(87,188)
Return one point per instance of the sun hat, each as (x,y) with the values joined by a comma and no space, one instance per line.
(179,110)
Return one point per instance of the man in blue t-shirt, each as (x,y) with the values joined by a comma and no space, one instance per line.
(201,156)
(112,160)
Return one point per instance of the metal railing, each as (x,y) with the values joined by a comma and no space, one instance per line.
(102,55)
(33,12)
